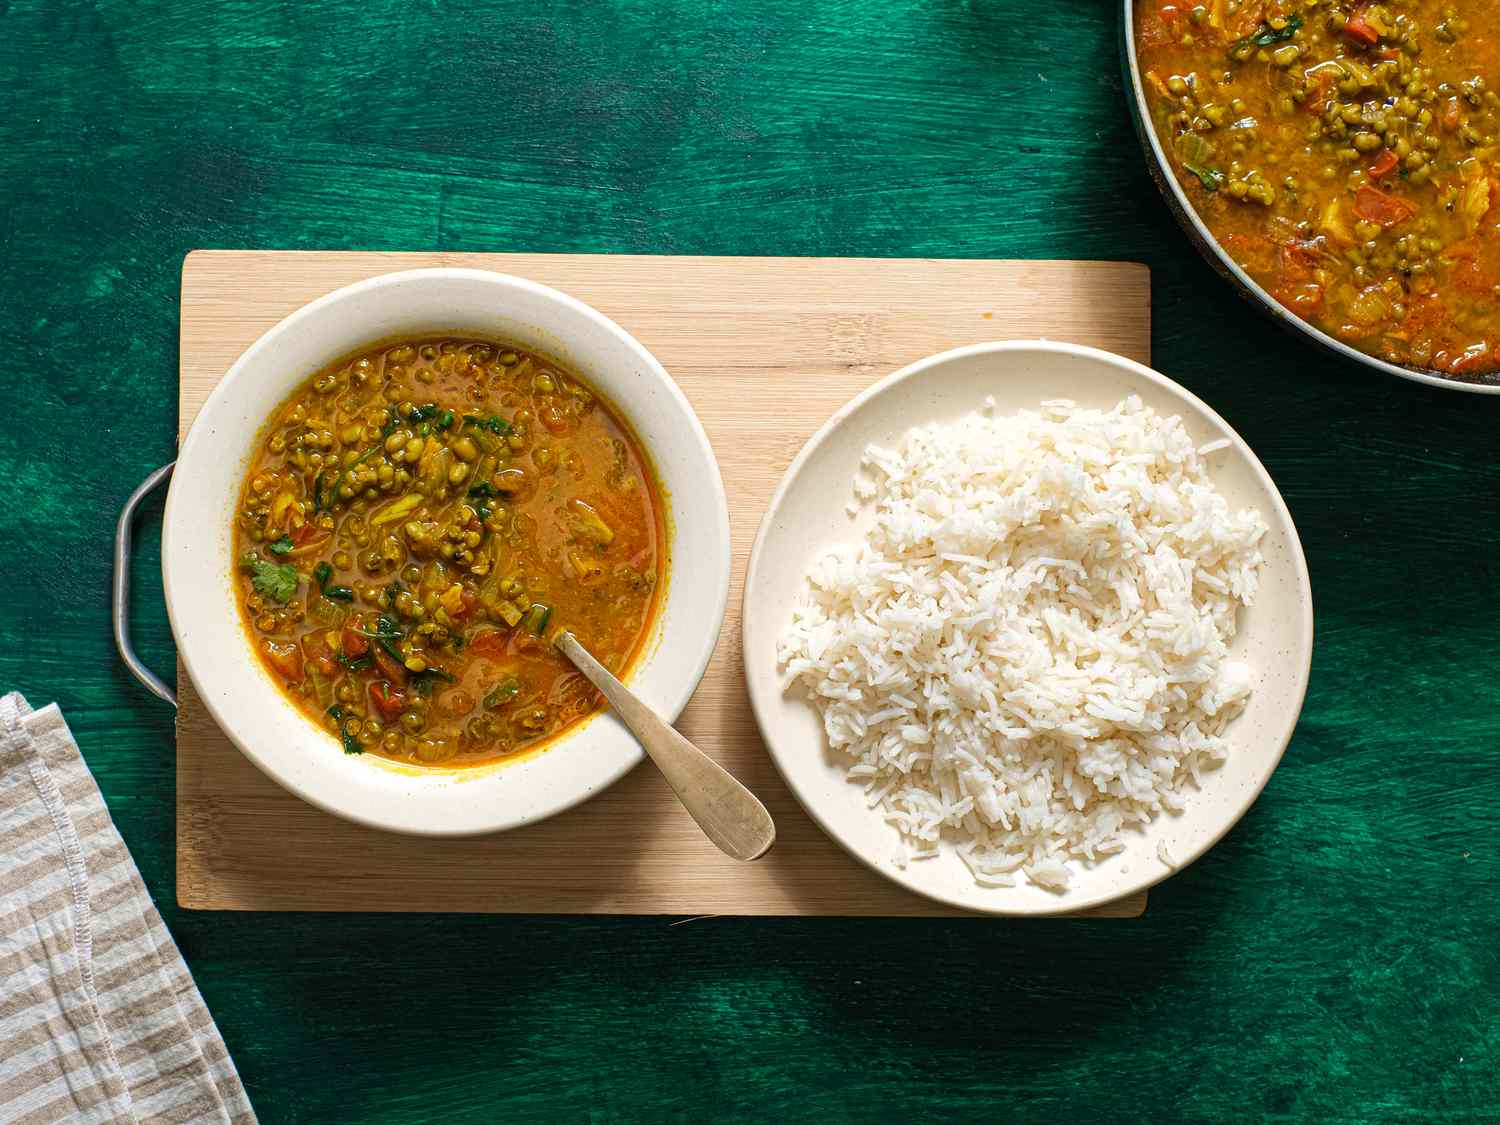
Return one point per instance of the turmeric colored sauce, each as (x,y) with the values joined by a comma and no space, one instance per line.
(417,520)
(1347,156)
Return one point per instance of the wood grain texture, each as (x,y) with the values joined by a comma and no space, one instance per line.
(1333,959)
(765,349)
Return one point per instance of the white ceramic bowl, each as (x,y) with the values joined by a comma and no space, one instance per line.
(197,555)
(808,516)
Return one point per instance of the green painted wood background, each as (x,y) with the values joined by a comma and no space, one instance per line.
(1335,958)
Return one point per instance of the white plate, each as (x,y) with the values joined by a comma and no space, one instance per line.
(808,516)
(197,550)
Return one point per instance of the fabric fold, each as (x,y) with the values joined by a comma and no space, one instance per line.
(100,1020)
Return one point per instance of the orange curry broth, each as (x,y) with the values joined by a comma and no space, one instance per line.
(417,519)
(1347,156)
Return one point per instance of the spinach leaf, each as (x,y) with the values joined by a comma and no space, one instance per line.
(424,681)
(387,634)
(323,572)
(1267,36)
(351,744)
(355,663)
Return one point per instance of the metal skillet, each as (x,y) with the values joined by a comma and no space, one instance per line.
(1197,231)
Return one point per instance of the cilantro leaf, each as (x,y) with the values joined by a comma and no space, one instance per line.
(281,546)
(277,581)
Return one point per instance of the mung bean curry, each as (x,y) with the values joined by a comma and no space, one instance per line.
(417,520)
(1347,156)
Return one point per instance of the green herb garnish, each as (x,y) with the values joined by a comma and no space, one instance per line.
(423,682)
(1211,178)
(1265,37)
(323,499)
(323,572)
(355,663)
(503,692)
(444,420)
(277,581)
(351,744)
(479,499)
(494,423)
(387,634)
(281,546)
(537,617)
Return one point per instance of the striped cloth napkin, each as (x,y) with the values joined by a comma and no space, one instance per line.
(99,1019)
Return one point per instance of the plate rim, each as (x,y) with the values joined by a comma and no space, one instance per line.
(752,626)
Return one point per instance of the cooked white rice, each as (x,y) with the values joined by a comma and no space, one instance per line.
(1027,655)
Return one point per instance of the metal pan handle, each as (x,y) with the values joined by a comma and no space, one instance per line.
(121,604)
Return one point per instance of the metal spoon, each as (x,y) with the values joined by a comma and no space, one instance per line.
(729,814)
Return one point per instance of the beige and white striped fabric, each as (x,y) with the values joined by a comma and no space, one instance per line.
(99,1019)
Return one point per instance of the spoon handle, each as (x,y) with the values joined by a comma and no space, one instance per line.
(729,814)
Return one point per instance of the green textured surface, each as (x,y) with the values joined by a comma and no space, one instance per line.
(1334,958)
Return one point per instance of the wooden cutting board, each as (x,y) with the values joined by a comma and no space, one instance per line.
(766,349)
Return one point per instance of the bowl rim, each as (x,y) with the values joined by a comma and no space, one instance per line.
(1208,245)
(694,668)
(1305,624)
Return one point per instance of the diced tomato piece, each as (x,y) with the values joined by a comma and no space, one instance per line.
(387,701)
(1379,207)
(491,644)
(1298,260)
(316,652)
(1359,30)
(1384,164)
(1319,93)
(286,659)
(391,668)
(1470,274)
(1451,117)
(356,644)
(527,644)
(1247,19)
(1472,357)
(470,601)
(1159,26)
